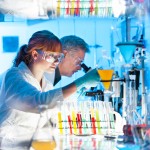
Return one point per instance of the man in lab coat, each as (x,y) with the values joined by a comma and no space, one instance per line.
(74,49)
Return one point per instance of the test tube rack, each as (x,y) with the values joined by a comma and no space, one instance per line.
(86,118)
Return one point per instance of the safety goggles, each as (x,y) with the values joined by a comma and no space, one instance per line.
(76,59)
(51,57)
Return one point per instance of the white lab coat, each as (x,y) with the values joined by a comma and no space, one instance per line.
(20,97)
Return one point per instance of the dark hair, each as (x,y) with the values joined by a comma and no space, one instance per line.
(43,40)
(72,42)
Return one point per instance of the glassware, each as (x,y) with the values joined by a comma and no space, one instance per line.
(43,138)
(98,106)
(109,116)
(127,50)
(106,76)
(146,138)
(132,117)
(141,132)
(105,69)
(87,114)
(63,117)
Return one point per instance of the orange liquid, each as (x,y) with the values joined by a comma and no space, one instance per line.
(106,75)
(44,145)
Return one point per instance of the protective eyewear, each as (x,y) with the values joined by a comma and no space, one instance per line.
(51,56)
(76,59)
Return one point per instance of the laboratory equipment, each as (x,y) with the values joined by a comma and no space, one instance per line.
(133,118)
(43,137)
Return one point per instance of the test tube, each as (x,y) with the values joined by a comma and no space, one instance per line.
(72,7)
(82,111)
(86,118)
(74,122)
(97,107)
(105,119)
(111,116)
(60,124)
(93,125)
(65,118)
(70,124)
(79,121)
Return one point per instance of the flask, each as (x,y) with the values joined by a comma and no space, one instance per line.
(43,138)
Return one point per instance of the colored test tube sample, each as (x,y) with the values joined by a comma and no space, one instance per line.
(98,122)
(70,124)
(93,125)
(74,122)
(79,121)
(60,124)
(72,7)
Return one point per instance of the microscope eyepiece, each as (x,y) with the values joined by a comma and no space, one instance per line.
(85,67)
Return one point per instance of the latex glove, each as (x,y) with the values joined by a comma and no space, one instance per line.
(90,79)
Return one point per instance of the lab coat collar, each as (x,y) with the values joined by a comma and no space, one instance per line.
(24,68)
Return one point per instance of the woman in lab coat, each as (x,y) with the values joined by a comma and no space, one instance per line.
(25,87)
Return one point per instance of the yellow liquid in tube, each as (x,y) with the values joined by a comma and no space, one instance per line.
(44,145)
(60,124)
(106,75)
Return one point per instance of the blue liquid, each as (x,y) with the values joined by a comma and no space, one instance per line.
(127,52)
